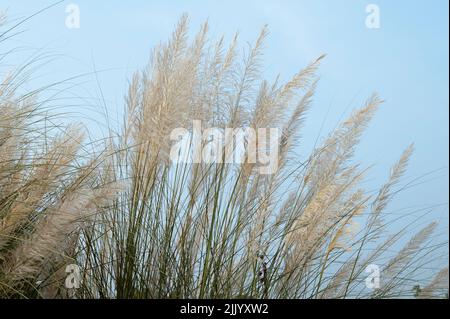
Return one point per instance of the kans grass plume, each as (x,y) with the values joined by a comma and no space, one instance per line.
(48,191)
(184,230)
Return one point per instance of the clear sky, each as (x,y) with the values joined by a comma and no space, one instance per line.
(405,60)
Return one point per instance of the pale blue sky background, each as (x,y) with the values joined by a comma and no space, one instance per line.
(406,61)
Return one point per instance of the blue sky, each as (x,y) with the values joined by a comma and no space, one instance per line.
(405,60)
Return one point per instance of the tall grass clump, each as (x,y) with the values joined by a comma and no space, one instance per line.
(221,230)
(48,188)
(139,225)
